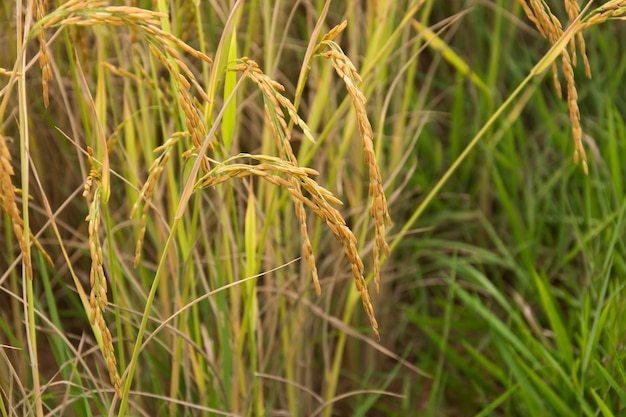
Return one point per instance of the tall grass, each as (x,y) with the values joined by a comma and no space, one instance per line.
(198,198)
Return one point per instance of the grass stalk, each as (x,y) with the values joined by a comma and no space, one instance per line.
(27,273)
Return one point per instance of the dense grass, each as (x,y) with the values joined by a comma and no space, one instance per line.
(503,293)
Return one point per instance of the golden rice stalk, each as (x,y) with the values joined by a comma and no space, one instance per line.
(307,248)
(573,10)
(317,198)
(275,106)
(550,28)
(332,34)
(287,154)
(9,73)
(121,72)
(346,70)
(193,120)
(146,24)
(610,10)
(320,198)
(574,113)
(7,197)
(98,297)
(41,8)
(542,21)
(146,192)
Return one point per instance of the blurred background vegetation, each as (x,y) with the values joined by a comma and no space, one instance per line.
(503,292)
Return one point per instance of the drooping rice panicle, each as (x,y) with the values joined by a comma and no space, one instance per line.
(7,198)
(98,299)
(346,70)
(317,198)
(550,28)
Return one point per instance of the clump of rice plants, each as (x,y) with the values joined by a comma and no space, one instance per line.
(198,196)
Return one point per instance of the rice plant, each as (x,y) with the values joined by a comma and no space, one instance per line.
(311,208)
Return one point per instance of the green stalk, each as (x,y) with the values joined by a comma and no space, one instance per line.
(132,364)
(24,166)
(535,74)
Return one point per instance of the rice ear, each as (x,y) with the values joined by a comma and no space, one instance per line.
(550,28)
